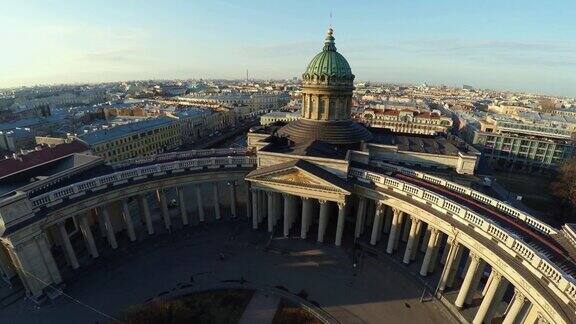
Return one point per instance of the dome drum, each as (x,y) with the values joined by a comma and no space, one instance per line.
(327,86)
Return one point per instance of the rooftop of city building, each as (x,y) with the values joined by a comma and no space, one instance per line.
(107,134)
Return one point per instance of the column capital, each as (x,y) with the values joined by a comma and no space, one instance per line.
(518,295)
(542,319)
(396,211)
(415,220)
(474,256)
(341,205)
(322,202)
(497,275)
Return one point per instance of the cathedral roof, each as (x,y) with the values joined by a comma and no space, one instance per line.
(329,62)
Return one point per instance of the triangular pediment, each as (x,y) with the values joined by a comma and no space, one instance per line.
(305,175)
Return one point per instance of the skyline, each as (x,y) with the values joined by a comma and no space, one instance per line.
(521,47)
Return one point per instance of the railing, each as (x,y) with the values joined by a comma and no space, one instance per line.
(136,173)
(485,199)
(537,261)
(181,156)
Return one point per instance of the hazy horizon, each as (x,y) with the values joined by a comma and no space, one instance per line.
(513,46)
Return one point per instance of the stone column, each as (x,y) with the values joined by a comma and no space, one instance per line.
(387,220)
(109,229)
(445,252)
(271,220)
(473,275)
(233,199)
(164,209)
(262,205)
(87,234)
(341,223)
(377,224)
(182,203)
(416,241)
(411,240)
(101,226)
(449,265)
(277,202)
(425,240)
(255,222)
(466,266)
(431,246)
(217,200)
(475,282)
(361,213)
(517,303)
(488,282)
(307,209)
(128,220)
(482,315)
(434,260)
(402,218)
(455,265)
(394,229)
(68,246)
(287,214)
(248,201)
(294,211)
(532,316)
(502,287)
(406,230)
(146,213)
(370,213)
(201,216)
(323,222)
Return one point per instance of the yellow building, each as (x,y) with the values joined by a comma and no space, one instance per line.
(135,139)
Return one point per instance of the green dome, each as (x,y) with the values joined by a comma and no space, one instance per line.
(329,62)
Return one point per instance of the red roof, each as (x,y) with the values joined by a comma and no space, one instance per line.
(45,154)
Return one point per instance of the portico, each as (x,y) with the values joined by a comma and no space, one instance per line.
(307,193)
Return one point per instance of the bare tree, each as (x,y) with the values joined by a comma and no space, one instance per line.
(565,187)
(547,105)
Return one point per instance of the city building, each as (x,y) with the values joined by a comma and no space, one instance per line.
(141,138)
(530,142)
(428,152)
(407,121)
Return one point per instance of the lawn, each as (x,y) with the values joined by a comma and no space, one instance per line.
(210,307)
(290,313)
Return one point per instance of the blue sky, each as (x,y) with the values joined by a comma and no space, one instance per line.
(511,45)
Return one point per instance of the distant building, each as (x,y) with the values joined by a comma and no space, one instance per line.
(41,155)
(198,126)
(406,121)
(428,152)
(523,142)
(150,136)
(16,139)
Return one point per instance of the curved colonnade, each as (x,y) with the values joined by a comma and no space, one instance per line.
(381,205)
